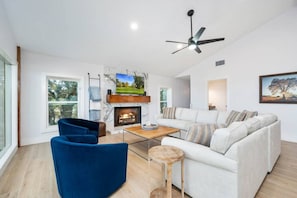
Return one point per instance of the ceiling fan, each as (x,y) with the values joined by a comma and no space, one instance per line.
(194,42)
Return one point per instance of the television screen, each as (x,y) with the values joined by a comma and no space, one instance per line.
(129,84)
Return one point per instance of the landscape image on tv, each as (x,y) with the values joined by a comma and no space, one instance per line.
(129,84)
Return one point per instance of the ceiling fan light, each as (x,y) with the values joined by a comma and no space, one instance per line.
(192,46)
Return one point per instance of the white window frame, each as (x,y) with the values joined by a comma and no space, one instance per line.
(80,92)
(169,97)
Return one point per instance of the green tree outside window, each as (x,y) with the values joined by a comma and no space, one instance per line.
(62,99)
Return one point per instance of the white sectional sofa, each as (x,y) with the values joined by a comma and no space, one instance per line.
(184,118)
(237,160)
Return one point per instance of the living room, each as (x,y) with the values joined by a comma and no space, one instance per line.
(268,48)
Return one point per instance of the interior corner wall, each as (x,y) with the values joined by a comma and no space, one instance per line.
(269,49)
(35,67)
(180,93)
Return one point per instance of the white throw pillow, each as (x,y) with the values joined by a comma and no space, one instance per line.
(189,114)
(223,138)
(222,117)
(252,124)
(266,119)
(206,116)
(178,113)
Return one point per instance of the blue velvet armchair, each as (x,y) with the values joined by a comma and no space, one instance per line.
(76,126)
(86,169)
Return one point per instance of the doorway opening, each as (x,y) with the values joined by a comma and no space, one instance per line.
(217,95)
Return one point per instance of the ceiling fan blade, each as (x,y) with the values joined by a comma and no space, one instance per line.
(179,50)
(209,41)
(177,42)
(197,49)
(198,34)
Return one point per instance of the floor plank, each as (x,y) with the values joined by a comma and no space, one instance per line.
(31,174)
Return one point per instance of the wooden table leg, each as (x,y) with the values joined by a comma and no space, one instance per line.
(182,179)
(169,180)
(163,175)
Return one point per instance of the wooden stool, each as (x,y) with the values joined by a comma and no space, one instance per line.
(167,155)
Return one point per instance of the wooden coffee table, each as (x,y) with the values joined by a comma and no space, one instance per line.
(148,135)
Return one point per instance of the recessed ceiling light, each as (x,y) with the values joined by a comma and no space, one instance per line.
(134,26)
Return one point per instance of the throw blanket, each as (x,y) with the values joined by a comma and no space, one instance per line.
(201,133)
(94,93)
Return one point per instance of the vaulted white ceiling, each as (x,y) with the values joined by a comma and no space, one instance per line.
(98,31)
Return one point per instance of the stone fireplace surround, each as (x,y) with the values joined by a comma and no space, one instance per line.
(114,100)
(109,113)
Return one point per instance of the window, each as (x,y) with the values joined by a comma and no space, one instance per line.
(165,98)
(5,106)
(62,99)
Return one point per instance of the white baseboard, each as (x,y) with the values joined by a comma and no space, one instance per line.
(44,137)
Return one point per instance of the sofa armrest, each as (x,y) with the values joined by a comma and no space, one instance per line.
(71,129)
(202,154)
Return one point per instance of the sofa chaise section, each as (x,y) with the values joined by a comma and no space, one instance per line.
(237,173)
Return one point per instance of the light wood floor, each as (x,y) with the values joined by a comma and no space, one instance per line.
(31,174)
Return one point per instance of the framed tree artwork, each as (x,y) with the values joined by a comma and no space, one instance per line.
(278,88)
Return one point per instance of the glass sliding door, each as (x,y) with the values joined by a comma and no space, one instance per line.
(2,106)
(5,106)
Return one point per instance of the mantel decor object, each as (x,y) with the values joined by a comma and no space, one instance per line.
(278,88)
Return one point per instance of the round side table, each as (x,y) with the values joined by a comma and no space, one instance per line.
(167,156)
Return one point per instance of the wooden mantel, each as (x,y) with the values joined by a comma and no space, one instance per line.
(127,99)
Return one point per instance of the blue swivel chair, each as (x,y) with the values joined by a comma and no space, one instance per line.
(76,126)
(86,169)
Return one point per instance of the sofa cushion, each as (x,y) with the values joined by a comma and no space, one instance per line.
(169,112)
(222,117)
(223,138)
(201,133)
(234,116)
(180,124)
(178,113)
(252,124)
(266,119)
(207,116)
(249,114)
(188,114)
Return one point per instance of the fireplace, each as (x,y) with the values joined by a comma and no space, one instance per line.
(127,115)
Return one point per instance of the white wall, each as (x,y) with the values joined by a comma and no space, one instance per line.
(7,42)
(269,49)
(35,67)
(8,50)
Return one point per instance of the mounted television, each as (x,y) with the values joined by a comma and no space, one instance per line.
(129,84)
